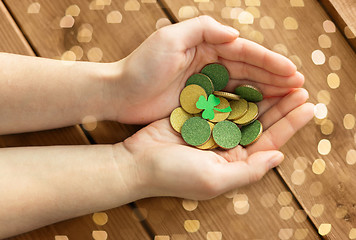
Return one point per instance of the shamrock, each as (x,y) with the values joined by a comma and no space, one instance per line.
(209,106)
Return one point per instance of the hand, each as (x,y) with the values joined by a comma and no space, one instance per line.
(152,77)
(165,166)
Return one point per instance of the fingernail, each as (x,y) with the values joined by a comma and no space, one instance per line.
(232,30)
(275,160)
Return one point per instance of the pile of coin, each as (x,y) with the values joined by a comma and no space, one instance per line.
(209,118)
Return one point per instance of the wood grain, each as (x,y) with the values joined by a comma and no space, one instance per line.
(12,40)
(343,12)
(327,197)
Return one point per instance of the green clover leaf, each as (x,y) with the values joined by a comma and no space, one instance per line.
(209,106)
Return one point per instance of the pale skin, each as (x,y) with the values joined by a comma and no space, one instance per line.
(43,185)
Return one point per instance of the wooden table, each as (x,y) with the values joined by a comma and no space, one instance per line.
(312,195)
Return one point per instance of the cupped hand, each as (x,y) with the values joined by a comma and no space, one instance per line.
(166,166)
(152,77)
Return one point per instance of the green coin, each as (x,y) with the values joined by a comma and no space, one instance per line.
(251,133)
(218,75)
(201,80)
(249,93)
(226,134)
(196,131)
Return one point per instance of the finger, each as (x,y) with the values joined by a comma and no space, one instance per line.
(287,104)
(267,90)
(239,173)
(266,104)
(242,70)
(243,50)
(280,132)
(192,32)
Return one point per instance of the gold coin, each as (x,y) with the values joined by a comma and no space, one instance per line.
(221,116)
(210,143)
(178,118)
(213,147)
(251,115)
(189,97)
(227,95)
(239,108)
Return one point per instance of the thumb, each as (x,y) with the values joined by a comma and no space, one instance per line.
(241,173)
(194,31)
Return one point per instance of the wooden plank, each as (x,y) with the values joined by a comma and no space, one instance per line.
(121,224)
(343,13)
(326,194)
(115,40)
(266,210)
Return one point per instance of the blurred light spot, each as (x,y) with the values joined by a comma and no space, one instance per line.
(296,60)
(318,166)
(318,57)
(89,123)
(267,22)
(235,13)
(298,177)
(68,56)
(349,121)
(252,3)
(179,237)
(132,5)
(333,80)
(85,33)
(329,26)
(114,17)
(301,233)
(341,212)
(67,22)
(300,216)
(162,22)
(95,5)
(162,237)
(148,1)
(188,12)
(256,36)
(73,10)
(104,2)
(61,237)
(286,212)
(189,205)
(290,23)
(268,199)
(327,127)
(324,41)
(285,233)
(324,229)
(324,147)
(78,51)
(285,198)
(241,210)
(245,18)
(191,225)
(351,157)
(100,218)
(230,194)
(297,3)
(320,111)
(233,3)
(316,188)
(34,8)
(206,6)
(95,54)
(348,33)
(323,97)
(240,200)
(335,63)
(214,236)
(300,163)
(279,47)
(254,11)
(317,210)
(226,12)
(352,234)
(99,235)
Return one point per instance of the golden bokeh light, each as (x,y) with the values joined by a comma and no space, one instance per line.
(162,237)
(132,5)
(286,212)
(296,60)
(329,26)
(285,198)
(68,56)
(317,210)
(268,200)
(95,54)
(333,80)
(241,210)
(318,166)
(348,33)
(191,225)
(327,127)
(230,194)
(285,233)
(99,235)
(349,121)
(324,41)
(34,8)
(320,111)
(297,3)
(298,177)
(267,22)
(188,12)
(235,13)
(252,3)
(341,211)
(149,1)
(162,22)
(280,48)
(214,236)
(233,3)
(89,123)
(335,63)
(324,147)
(351,157)
(256,36)
(67,22)
(290,23)
(245,18)
(300,216)
(254,11)
(300,163)
(189,205)
(100,218)
(352,233)
(206,6)
(316,188)
(95,5)
(78,51)
(301,233)
(61,237)
(114,17)
(324,229)
(318,57)
(85,33)
(323,97)
(240,200)
(73,10)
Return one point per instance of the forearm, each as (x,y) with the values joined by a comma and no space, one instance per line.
(40,186)
(39,93)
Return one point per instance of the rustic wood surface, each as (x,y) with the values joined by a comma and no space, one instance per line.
(123,218)
(268,209)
